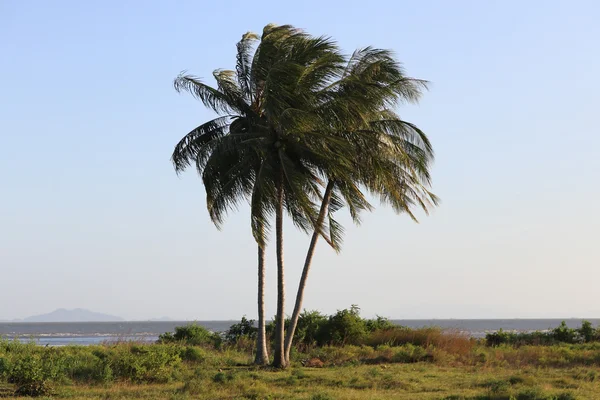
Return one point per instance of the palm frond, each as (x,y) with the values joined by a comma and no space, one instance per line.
(336,233)
(244,64)
(210,97)
(196,144)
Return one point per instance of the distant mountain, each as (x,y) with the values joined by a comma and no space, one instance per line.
(75,315)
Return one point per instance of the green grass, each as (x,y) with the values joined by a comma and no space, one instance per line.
(173,371)
(397,381)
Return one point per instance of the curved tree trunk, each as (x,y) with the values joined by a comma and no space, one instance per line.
(289,338)
(279,360)
(262,355)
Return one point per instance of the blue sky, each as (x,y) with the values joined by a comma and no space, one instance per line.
(92,214)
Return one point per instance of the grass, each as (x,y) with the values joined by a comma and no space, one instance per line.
(400,365)
(396,381)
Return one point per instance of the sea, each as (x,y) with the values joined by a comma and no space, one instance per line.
(89,333)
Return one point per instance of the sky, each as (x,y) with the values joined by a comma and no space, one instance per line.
(92,214)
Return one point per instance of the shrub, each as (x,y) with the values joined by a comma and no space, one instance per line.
(499,337)
(192,354)
(379,324)
(28,376)
(33,373)
(89,365)
(145,363)
(192,334)
(244,329)
(563,333)
(586,331)
(310,329)
(410,354)
(220,378)
(4,366)
(344,327)
(519,339)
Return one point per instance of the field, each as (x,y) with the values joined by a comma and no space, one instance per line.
(415,381)
(456,369)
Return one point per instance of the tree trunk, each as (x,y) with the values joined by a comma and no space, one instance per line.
(311,250)
(279,360)
(262,355)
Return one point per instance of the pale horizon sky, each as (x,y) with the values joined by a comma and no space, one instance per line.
(93,216)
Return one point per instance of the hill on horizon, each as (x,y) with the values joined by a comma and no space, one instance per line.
(74,315)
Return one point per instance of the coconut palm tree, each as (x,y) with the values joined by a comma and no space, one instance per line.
(271,144)
(392,156)
(296,114)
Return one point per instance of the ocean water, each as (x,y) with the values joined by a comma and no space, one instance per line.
(86,333)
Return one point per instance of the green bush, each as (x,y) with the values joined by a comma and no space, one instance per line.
(344,327)
(88,366)
(310,329)
(192,334)
(192,354)
(564,334)
(519,339)
(33,373)
(561,334)
(586,332)
(4,366)
(379,324)
(145,363)
(244,329)
(29,377)
(33,369)
(410,354)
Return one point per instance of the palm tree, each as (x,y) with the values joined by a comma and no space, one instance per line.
(208,147)
(392,155)
(294,115)
(269,144)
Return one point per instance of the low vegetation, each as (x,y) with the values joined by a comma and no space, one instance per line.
(341,356)
(561,334)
